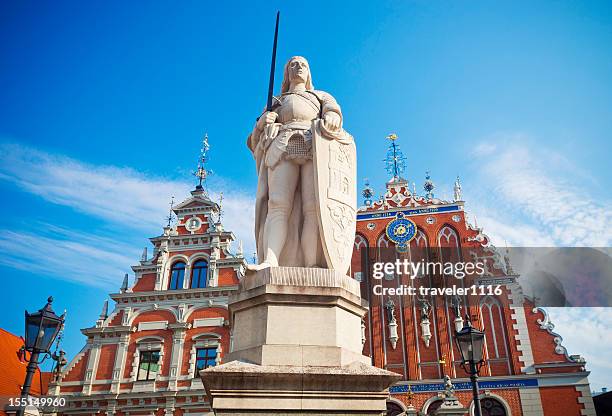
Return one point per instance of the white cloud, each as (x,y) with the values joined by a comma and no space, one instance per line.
(587,331)
(525,193)
(117,195)
(528,195)
(68,255)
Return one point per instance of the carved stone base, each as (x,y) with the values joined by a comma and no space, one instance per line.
(297,349)
(451,407)
(238,388)
(297,316)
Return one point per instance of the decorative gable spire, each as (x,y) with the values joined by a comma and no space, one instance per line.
(367,193)
(103,314)
(201,172)
(170,213)
(124,285)
(144,256)
(428,186)
(395,162)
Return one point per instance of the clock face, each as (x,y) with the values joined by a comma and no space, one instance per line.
(193,224)
(401,230)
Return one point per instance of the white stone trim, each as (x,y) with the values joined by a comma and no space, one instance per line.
(522,336)
(143,344)
(205,340)
(92,366)
(168,306)
(119,365)
(152,325)
(201,322)
(178,342)
(531,402)
(75,360)
(429,401)
(587,400)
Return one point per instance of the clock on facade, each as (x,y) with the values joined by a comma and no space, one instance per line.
(401,231)
(193,224)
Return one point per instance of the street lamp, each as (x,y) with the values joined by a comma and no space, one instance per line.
(470,341)
(41,328)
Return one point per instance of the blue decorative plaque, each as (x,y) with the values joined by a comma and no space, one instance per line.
(401,230)
(489,384)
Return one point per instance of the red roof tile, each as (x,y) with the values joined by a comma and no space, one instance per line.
(13,370)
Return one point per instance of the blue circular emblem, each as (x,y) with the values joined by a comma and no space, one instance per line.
(401,231)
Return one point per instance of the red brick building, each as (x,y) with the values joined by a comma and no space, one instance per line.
(142,358)
(527,370)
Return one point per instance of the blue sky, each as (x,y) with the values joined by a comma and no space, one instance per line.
(103,105)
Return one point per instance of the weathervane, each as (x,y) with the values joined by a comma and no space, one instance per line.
(170,212)
(395,162)
(367,193)
(428,186)
(220,206)
(202,173)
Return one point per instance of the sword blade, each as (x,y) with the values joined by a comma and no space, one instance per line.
(273,66)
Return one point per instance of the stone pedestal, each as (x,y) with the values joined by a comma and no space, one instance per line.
(411,411)
(451,407)
(297,349)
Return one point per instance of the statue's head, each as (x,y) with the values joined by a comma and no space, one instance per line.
(296,70)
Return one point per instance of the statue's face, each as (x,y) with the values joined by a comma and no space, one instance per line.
(298,70)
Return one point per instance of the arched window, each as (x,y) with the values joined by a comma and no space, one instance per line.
(177,275)
(360,242)
(394,409)
(448,237)
(495,335)
(448,241)
(434,406)
(199,273)
(492,407)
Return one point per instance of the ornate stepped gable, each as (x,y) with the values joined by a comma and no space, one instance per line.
(414,337)
(144,354)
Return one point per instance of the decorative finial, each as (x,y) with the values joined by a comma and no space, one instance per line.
(395,162)
(414,189)
(170,212)
(103,314)
(144,255)
(240,248)
(202,173)
(367,193)
(410,395)
(457,189)
(428,186)
(124,285)
(220,207)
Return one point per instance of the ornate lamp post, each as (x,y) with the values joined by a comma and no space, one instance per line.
(470,341)
(41,328)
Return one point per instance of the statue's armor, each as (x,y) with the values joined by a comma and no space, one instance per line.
(295,110)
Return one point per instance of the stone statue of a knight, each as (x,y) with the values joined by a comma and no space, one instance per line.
(306,163)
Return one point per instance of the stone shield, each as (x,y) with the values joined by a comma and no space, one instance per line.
(335,170)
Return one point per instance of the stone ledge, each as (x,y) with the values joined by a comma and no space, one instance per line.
(355,377)
(239,388)
(300,276)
